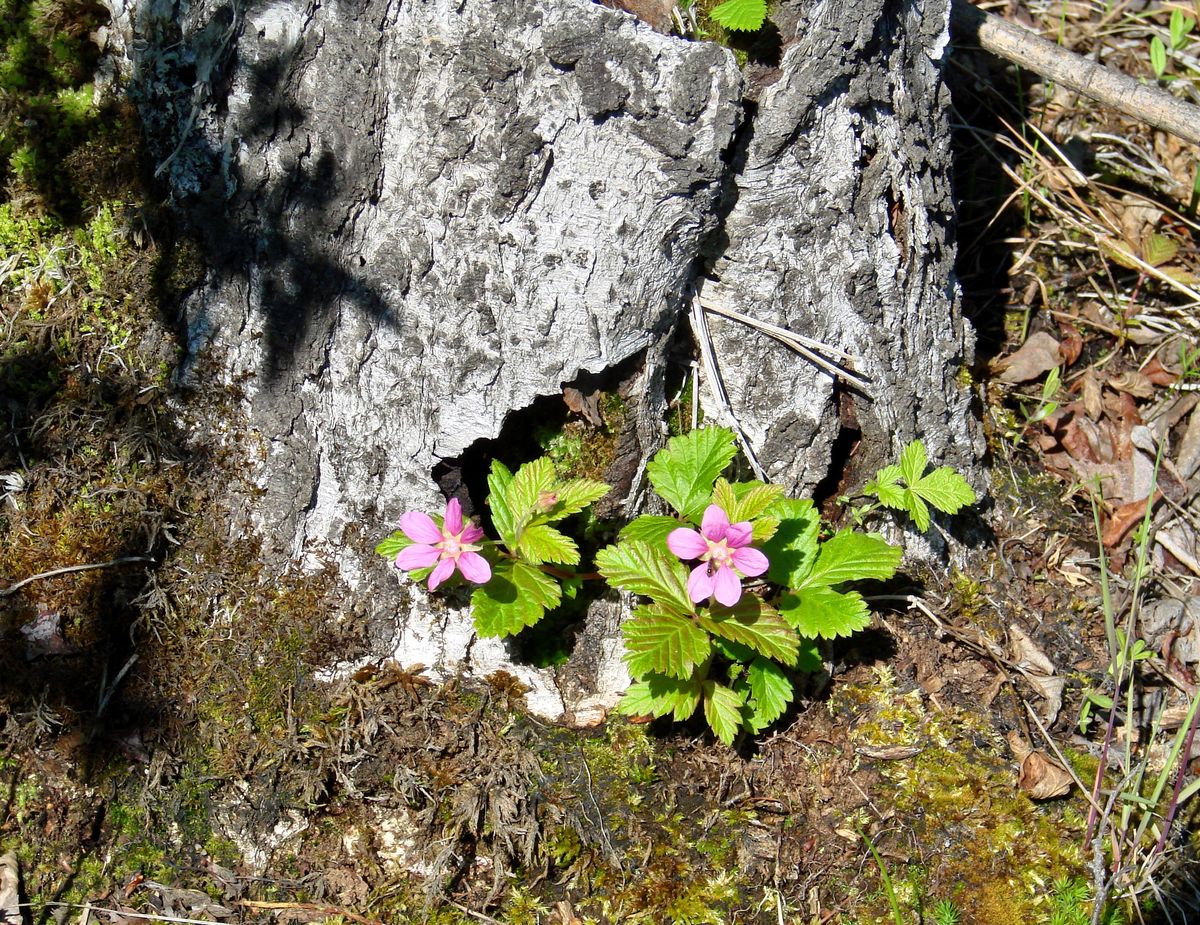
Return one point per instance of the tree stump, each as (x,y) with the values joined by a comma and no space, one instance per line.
(417,218)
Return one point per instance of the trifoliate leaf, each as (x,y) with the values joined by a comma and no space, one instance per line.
(886,487)
(393,544)
(792,550)
(852,556)
(913,460)
(650,528)
(657,641)
(658,695)
(824,612)
(809,657)
(756,624)
(753,498)
(771,691)
(684,472)
(574,495)
(740,15)
(637,567)
(945,489)
(541,543)
(517,596)
(723,708)
(917,509)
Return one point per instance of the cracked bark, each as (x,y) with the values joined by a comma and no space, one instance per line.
(417,217)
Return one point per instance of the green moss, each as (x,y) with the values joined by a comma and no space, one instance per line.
(989,848)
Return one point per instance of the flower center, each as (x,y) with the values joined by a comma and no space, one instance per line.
(451,546)
(719,554)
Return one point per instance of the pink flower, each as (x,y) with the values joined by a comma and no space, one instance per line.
(451,546)
(724,553)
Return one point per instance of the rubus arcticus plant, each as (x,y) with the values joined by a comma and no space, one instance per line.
(735,590)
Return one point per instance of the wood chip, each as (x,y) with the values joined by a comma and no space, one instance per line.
(889,752)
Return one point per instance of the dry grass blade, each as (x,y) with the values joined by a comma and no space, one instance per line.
(708,357)
(805,346)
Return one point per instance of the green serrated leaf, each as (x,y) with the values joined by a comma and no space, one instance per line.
(917,509)
(852,556)
(886,487)
(825,613)
(503,518)
(913,461)
(809,657)
(541,543)
(792,550)
(393,544)
(638,567)
(734,651)
(753,498)
(756,624)
(517,596)
(724,498)
(723,708)
(684,472)
(765,527)
(650,528)
(740,15)
(574,495)
(946,490)
(771,691)
(658,695)
(661,642)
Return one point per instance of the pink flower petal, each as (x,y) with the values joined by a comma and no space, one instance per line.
(727,589)
(454,520)
(472,534)
(420,528)
(474,567)
(740,534)
(419,556)
(750,562)
(714,524)
(687,544)
(444,570)
(700,584)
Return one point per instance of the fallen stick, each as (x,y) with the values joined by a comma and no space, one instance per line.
(1095,81)
(67,570)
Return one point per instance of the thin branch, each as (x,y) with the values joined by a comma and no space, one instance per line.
(68,569)
(1095,81)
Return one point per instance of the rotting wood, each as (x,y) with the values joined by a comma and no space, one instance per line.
(1095,81)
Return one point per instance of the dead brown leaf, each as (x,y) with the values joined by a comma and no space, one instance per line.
(1039,354)
(1038,670)
(1043,778)
(1136,384)
(1157,373)
(1122,520)
(587,406)
(1090,389)
(1071,345)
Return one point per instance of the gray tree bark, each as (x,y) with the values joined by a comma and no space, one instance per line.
(419,216)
